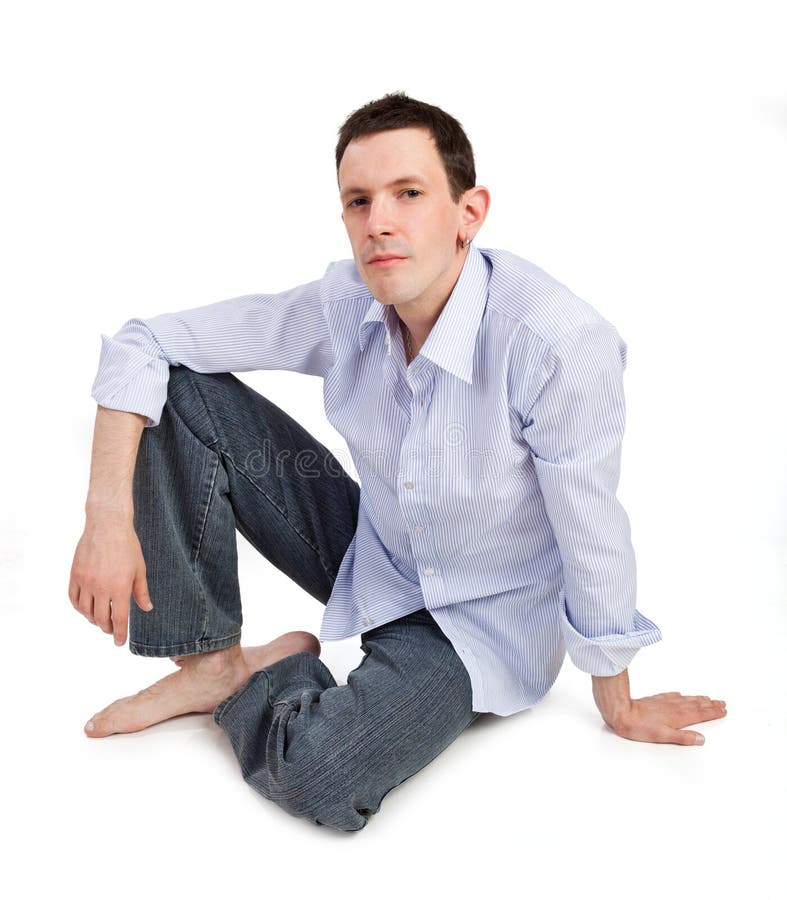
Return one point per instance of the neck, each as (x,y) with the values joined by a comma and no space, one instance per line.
(419,315)
(418,326)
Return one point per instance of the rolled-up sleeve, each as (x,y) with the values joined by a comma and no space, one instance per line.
(574,429)
(256,331)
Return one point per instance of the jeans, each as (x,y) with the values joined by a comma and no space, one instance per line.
(224,457)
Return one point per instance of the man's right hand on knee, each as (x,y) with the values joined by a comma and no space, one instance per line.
(108,567)
(108,563)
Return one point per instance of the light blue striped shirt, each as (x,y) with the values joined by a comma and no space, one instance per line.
(488,466)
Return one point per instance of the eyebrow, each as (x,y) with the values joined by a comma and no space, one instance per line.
(406,179)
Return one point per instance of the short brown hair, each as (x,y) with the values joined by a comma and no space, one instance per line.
(397,110)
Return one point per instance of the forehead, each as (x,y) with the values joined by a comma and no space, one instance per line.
(388,155)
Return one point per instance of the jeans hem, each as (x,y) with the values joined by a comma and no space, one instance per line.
(189,648)
(286,680)
(228,702)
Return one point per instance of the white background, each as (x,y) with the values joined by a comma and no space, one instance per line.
(161,155)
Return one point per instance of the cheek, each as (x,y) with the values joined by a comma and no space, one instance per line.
(355,241)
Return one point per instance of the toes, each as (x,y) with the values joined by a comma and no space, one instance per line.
(98,726)
(117,718)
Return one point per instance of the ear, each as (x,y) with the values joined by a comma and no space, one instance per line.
(474,205)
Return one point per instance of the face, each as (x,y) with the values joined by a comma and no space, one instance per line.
(402,223)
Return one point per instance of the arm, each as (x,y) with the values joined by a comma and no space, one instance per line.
(575,429)
(258,331)
(108,564)
(660,719)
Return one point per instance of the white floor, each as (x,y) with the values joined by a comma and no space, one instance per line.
(547,799)
(180,153)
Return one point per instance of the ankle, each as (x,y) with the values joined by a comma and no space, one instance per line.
(215,661)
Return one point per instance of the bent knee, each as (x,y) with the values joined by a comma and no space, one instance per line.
(330,797)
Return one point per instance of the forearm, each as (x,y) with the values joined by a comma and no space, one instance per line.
(116,439)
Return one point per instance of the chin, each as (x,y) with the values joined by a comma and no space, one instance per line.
(387,293)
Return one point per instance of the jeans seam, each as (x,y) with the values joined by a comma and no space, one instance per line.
(207,510)
(232,700)
(313,547)
(215,443)
(199,542)
(215,440)
(210,448)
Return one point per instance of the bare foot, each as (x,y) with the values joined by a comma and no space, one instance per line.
(202,681)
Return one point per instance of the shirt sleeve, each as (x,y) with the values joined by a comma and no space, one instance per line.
(256,331)
(574,430)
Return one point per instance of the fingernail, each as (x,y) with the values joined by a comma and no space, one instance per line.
(90,726)
(699,739)
(118,643)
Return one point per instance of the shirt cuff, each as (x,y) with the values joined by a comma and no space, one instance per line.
(607,654)
(130,380)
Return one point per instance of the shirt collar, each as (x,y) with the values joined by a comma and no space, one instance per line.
(452,340)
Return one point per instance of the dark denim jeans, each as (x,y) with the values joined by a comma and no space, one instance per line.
(223,457)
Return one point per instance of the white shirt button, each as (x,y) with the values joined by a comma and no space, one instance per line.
(429,571)
(418,529)
(409,485)
(367,620)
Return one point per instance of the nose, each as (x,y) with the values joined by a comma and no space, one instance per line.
(379,221)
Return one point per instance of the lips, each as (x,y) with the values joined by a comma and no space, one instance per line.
(384,262)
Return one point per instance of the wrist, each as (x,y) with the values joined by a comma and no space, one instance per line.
(613,697)
(109,509)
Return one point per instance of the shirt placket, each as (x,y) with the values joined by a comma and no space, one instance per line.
(412,480)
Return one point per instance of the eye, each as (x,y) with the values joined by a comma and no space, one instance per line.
(358,201)
(412,193)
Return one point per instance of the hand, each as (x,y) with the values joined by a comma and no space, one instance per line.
(108,566)
(661,718)
(658,719)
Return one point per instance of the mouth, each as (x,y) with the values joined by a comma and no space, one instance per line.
(385,262)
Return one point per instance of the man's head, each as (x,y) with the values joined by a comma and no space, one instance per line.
(400,111)
(409,200)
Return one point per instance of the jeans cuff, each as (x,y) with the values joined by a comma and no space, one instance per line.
(206,645)
(281,680)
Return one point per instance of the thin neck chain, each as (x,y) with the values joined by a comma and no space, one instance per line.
(409,342)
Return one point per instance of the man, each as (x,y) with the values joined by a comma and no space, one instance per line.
(483,406)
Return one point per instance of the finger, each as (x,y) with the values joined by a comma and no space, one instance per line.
(101,613)
(686,738)
(120,619)
(86,605)
(73,594)
(141,595)
(699,714)
(691,712)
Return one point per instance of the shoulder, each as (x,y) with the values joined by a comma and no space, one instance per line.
(342,281)
(553,331)
(545,308)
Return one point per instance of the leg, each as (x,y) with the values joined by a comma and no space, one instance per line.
(224,457)
(331,753)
